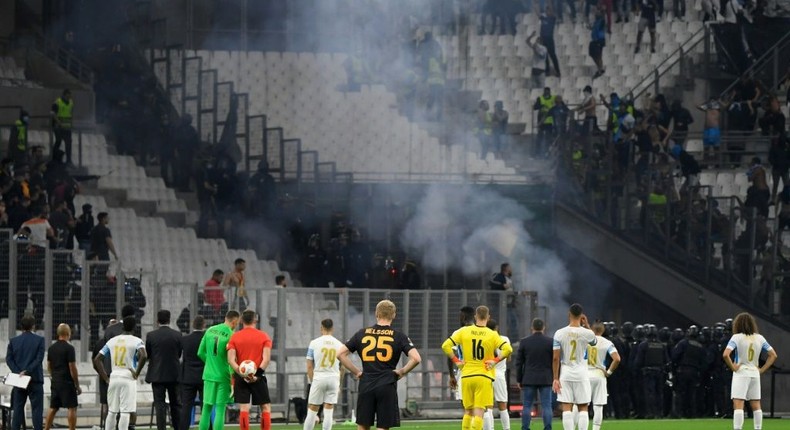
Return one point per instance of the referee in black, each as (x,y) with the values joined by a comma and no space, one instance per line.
(65,387)
(380,348)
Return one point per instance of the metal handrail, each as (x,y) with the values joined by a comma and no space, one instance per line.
(760,62)
(681,50)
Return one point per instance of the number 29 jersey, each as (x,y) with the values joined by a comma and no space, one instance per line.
(380,348)
(323,353)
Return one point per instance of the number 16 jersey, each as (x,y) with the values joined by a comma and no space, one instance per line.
(475,345)
(380,348)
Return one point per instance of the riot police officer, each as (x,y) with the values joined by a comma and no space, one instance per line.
(618,382)
(664,336)
(689,358)
(626,361)
(651,360)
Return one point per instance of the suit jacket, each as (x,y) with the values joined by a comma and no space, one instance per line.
(163,346)
(26,353)
(533,360)
(191,365)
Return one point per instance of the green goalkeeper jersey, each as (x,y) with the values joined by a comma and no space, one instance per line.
(214,352)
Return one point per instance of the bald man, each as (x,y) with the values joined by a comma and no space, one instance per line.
(62,367)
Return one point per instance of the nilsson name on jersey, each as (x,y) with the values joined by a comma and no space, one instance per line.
(380,331)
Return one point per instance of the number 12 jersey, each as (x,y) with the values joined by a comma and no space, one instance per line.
(380,348)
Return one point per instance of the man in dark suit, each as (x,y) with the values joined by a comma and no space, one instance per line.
(25,356)
(191,371)
(163,346)
(114,329)
(534,373)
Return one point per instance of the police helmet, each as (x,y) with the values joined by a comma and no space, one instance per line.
(693,331)
(627,328)
(664,334)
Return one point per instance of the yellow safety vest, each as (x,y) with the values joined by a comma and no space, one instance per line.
(64,112)
(435,74)
(21,135)
(658,209)
(615,123)
(546,103)
(486,125)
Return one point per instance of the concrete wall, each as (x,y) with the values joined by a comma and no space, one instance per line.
(7,14)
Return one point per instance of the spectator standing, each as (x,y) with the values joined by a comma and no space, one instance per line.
(679,9)
(82,230)
(534,374)
(63,226)
(681,119)
(65,387)
(101,240)
(560,112)
(163,347)
(689,168)
(543,105)
(25,356)
(548,22)
(539,61)
(484,127)
(17,141)
(773,121)
(779,159)
(758,195)
(588,106)
(597,42)
(432,65)
(62,113)
(186,142)
(213,292)
(40,229)
(647,20)
(235,279)
(711,136)
(500,121)
(501,281)
(191,371)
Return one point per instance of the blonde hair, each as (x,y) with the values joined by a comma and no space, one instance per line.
(482,313)
(744,323)
(64,330)
(385,309)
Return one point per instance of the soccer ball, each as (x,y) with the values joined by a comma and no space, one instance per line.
(247,368)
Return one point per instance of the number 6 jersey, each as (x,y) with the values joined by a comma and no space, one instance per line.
(380,348)
(747,352)
(323,352)
(122,350)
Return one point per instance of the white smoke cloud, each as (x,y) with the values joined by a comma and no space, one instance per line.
(474,230)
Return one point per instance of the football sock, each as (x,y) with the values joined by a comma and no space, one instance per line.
(567,420)
(109,422)
(597,417)
(575,412)
(477,423)
(466,423)
(737,419)
(309,421)
(123,422)
(266,421)
(205,416)
(758,419)
(504,416)
(219,416)
(488,420)
(244,420)
(584,420)
(328,419)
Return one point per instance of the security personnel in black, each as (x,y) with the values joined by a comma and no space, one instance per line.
(626,359)
(637,387)
(689,357)
(705,391)
(664,337)
(617,383)
(652,360)
(717,370)
(727,375)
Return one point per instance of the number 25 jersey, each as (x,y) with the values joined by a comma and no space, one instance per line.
(380,348)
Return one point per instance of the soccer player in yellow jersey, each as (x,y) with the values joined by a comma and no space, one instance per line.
(475,356)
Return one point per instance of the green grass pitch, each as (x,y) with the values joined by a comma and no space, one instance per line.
(696,424)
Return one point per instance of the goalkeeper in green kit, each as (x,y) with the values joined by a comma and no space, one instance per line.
(217,372)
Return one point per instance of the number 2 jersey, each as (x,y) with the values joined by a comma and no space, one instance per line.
(747,352)
(474,345)
(380,348)
(572,343)
(122,350)
(323,352)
